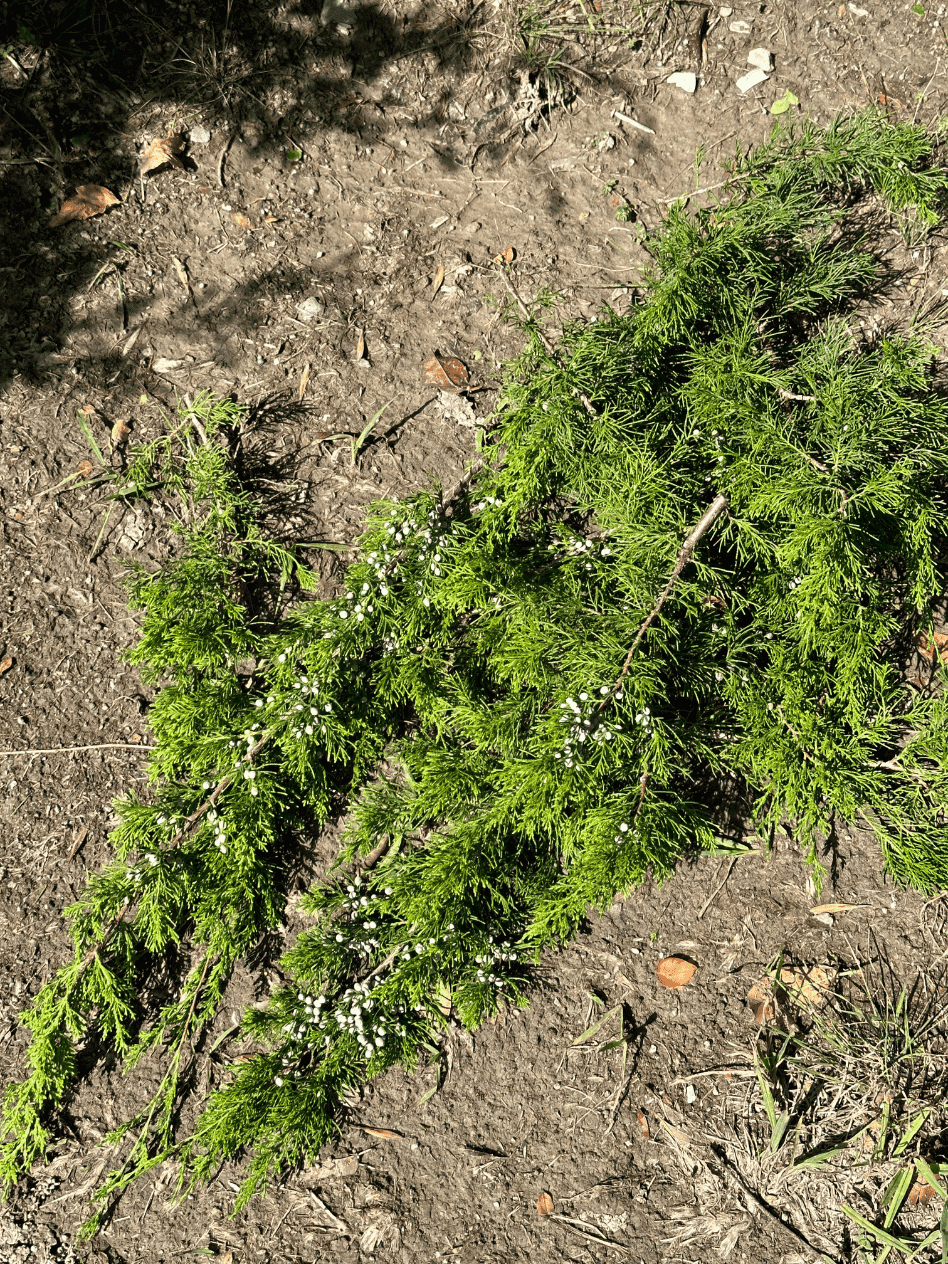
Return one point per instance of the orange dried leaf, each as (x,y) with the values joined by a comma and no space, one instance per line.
(810,985)
(385,1133)
(304,382)
(921,1192)
(240,219)
(545,1204)
(445,371)
(506,256)
(643,1124)
(6,664)
(269,219)
(438,281)
(833,908)
(760,999)
(120,431)
(162,152)
(675,972)
(85,468)
(89,200)
(360,346)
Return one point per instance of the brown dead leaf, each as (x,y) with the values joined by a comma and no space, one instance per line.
(89,200)
(438,281)
(921,1192)
(87,410)
(120,431)
(643,1124)
(810,985)
(226,1258)
(360,346)
(545,1204)
(927,646)
(85,468)
(134,738)
(385,1133)
(833,908)
(760,999)
(6,664)
(304,382)
(241,220)
(506,256)
(162,152)
(675,972)
(270,219)
(445,371)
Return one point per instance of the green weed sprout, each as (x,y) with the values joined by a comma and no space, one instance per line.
(694,540)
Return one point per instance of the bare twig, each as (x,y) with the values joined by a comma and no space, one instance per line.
(717,891)
(713,512)
(58,750)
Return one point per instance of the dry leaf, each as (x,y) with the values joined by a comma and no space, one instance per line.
(445,371)
(545,1204)
(135,738)
(438,281)
(88,410)
(811,985)
(89,200)
(227,1257)
(385,1133)
(927,647)
(675,972)
(240,219)
(832,908)
(304,382)
(760,999)
(85,468)
(6,664)
(507,256)
(360,346)
(269,219)
(643,1124)
(120,431)
(921,1192)
(162,152)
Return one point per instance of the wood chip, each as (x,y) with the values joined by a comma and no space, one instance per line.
(385,1133)
(438,281)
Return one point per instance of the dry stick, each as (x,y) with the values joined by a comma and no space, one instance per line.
(711,898)
(58,750)
(714,511)
(544,341)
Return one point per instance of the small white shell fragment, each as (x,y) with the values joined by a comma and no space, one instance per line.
(739,28)
(683,79)
(761,58)
(751,80)
(690,1094)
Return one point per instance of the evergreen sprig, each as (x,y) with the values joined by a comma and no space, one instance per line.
(704,532)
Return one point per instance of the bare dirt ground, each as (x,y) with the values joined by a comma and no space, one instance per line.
(334,172)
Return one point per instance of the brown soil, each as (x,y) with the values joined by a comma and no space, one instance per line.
(427,143)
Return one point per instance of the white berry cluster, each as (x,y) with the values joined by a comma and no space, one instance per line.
(624,830)
(488,500)
(220,839)
(580,548)
(497,952)
(368,908)
(309,714)
(151,859)
(584,723)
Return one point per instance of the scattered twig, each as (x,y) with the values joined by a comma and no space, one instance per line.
(717,890)
(713,512)
(588,1231)
(803,399)
(58,750)
(758,1203)
(340,1224)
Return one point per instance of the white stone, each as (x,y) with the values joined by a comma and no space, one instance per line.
(761,58)
(737,27)
(751,80)
(683,79)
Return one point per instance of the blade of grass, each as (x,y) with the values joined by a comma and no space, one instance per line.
(881,1235)
(895,1194)
(591,1031)
(369,426)
(90,438)
(917,1123)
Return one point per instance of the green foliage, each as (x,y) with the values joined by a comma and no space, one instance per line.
(521,726)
